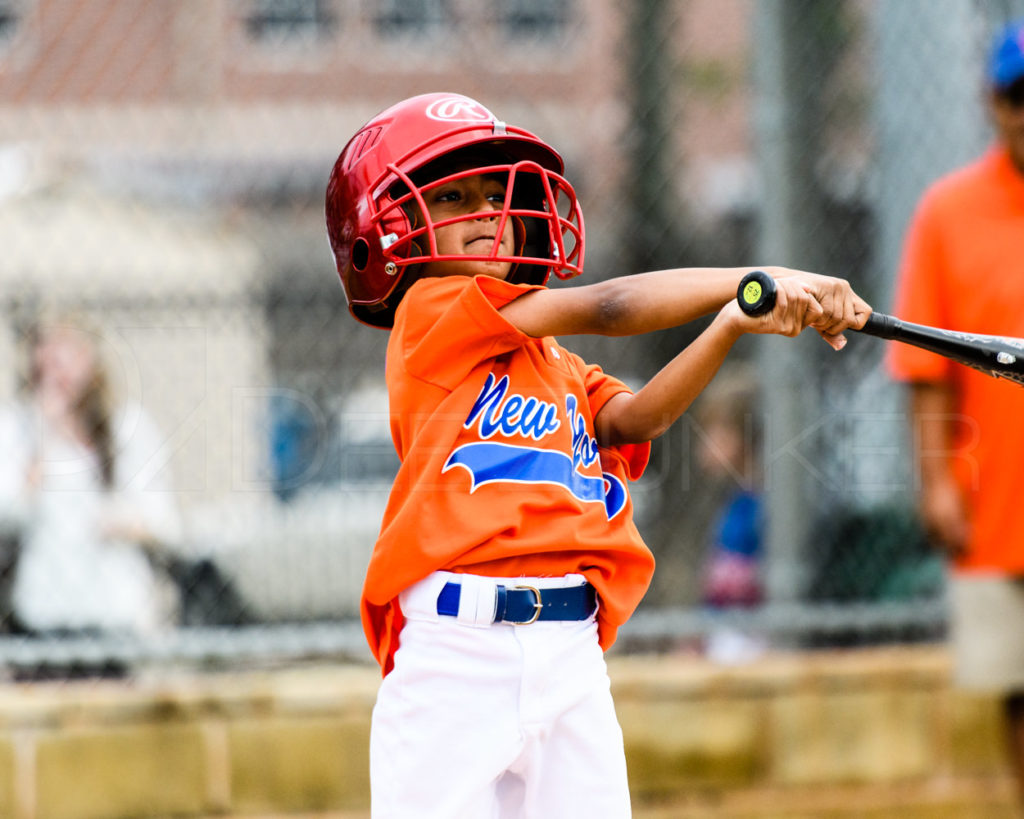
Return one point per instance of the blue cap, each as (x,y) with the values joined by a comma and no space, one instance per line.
(1006,64)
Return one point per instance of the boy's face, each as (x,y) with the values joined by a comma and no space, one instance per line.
(472,237)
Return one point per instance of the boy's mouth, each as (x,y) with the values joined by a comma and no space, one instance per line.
(487,240)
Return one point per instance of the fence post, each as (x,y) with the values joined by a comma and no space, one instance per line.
(783,239)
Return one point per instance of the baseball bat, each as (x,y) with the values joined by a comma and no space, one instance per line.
(998,356)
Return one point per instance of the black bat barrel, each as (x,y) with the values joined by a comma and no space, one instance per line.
(994,355)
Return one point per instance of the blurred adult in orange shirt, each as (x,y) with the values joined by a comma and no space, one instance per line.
(961,267)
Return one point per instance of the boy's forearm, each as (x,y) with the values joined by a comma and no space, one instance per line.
(625,306)
(662,299)
(649,412)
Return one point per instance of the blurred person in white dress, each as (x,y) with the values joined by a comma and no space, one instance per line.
(84,494)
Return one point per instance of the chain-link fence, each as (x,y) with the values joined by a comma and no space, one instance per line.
(162,168)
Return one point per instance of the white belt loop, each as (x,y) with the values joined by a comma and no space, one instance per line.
(419,601)
(478,600)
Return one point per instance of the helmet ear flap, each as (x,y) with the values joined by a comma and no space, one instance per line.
(397,221)
(413,247)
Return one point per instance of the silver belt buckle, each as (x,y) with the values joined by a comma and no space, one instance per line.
(538,606)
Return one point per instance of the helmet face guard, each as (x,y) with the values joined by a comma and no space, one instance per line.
(379,224)
(547,239)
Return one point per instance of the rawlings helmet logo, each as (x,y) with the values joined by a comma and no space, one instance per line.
(458,109)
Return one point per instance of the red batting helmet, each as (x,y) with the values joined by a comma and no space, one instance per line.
(378,224)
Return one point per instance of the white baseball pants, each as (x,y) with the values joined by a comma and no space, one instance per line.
(494,721)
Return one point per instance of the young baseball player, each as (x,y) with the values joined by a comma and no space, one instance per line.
(508,558)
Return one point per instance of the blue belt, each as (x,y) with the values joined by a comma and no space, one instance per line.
(522,605)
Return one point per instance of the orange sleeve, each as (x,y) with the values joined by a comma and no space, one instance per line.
(437,314)
(600,388)
(921,294)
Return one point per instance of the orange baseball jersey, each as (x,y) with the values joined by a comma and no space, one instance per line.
(501,472)
(961,268)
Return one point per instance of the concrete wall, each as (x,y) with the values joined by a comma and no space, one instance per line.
(868,733)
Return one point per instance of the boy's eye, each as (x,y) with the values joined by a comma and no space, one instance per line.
(456,195)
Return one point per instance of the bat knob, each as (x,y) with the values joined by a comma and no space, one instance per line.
(756,293)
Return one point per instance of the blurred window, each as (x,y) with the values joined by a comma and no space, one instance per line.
(286,22)
(403,18)
(533,19)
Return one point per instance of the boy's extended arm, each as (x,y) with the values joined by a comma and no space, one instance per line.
(645,302)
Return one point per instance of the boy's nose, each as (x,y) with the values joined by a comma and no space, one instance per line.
(484,204)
